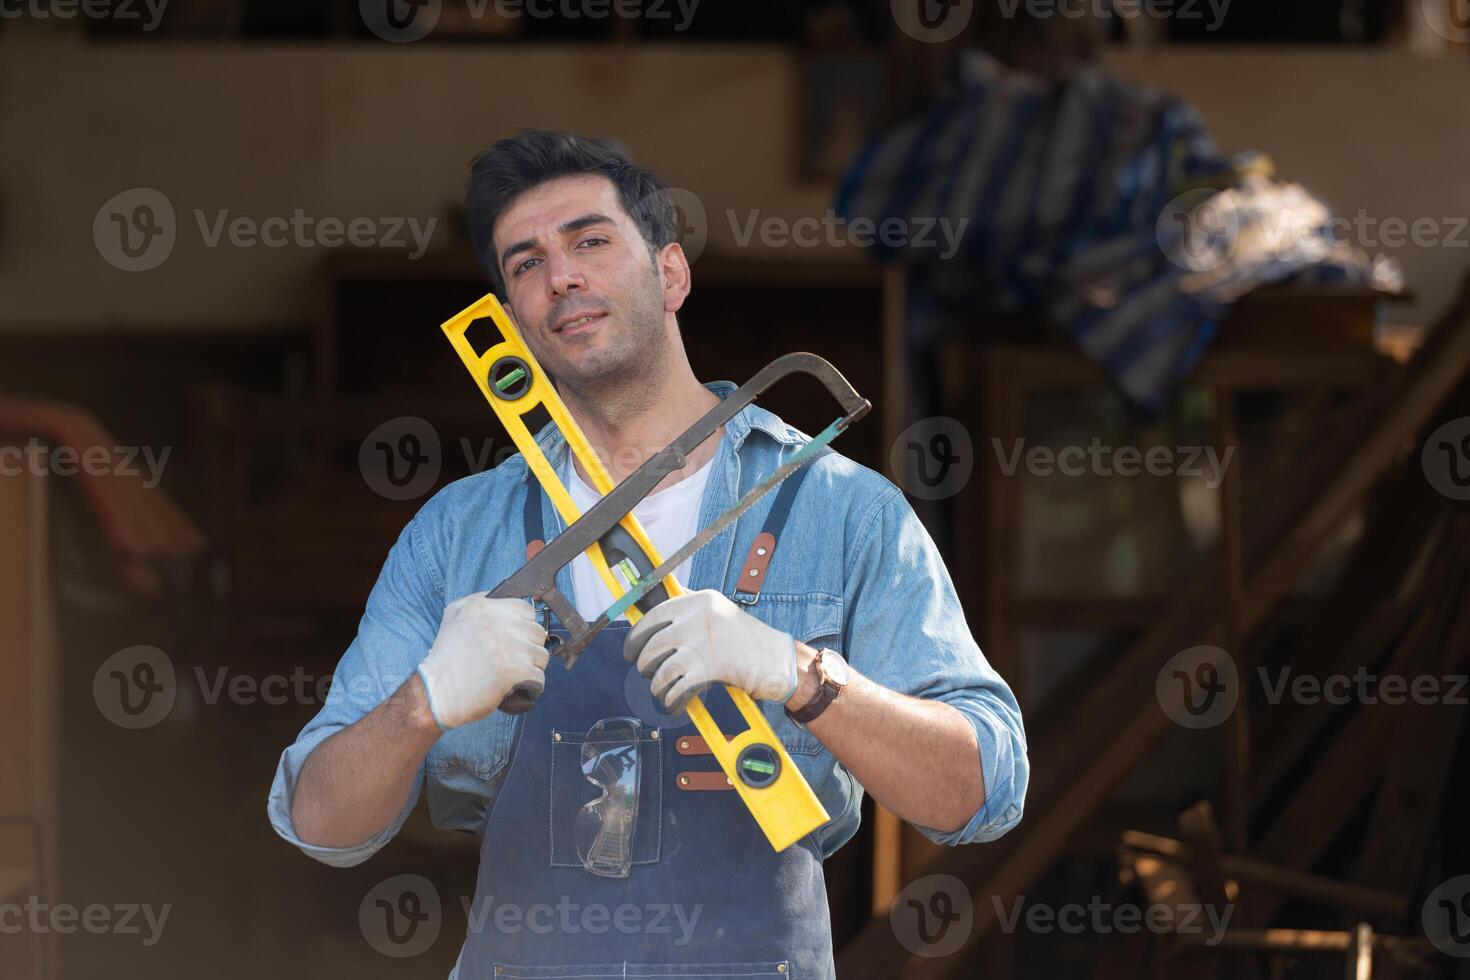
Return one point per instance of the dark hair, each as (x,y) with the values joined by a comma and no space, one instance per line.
(533,156)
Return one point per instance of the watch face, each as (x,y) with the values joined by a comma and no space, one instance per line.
(835,667)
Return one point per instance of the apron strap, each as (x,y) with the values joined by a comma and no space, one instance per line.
(747,591)
(758,559)
(534,528)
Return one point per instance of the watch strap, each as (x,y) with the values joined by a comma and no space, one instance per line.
(826,693)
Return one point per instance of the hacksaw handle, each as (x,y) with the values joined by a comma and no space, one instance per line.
(521,698)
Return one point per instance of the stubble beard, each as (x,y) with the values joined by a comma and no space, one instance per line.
(624,371)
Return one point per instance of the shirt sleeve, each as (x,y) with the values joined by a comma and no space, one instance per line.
(397,628)
(906,630)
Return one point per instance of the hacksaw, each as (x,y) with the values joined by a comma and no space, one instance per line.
(514,384)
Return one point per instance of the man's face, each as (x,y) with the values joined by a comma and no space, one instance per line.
(587,296)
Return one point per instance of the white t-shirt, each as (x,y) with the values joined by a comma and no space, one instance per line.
(670,516)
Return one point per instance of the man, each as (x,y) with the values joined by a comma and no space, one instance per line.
(619,850)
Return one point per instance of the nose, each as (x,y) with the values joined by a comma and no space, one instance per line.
(565,276)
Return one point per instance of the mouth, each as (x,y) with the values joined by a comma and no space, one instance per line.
(578,322)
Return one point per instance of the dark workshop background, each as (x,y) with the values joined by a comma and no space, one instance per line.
(236,515)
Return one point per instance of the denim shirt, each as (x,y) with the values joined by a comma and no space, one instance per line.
(855,571)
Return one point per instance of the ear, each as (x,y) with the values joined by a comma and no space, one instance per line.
(674,274)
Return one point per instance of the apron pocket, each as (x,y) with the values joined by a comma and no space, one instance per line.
(571,790)
(509,971)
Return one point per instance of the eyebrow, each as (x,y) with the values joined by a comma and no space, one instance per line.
(575,225)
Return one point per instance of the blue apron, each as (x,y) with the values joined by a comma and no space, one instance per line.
(706,896)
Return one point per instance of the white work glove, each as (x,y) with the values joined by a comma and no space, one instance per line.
(485,648)
(692,641)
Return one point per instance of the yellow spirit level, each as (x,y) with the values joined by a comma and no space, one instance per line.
(513,383)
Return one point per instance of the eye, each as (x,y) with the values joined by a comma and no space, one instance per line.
(523,265)
(593,240)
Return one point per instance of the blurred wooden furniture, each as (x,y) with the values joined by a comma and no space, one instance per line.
(1281,339)
(142,528)
(1319,480)
(1263,345)
(1284,339)
(29,736)
(1201,889)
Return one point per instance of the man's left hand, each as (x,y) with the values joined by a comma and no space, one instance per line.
(694,640)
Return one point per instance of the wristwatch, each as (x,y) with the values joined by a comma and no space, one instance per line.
(833,675)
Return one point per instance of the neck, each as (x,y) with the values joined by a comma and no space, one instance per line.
(629,420)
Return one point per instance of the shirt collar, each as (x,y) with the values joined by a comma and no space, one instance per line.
(751,418)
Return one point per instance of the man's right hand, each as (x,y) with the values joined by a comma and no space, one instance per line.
(485,649)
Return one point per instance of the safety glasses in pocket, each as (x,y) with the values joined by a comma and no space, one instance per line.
(605,825)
